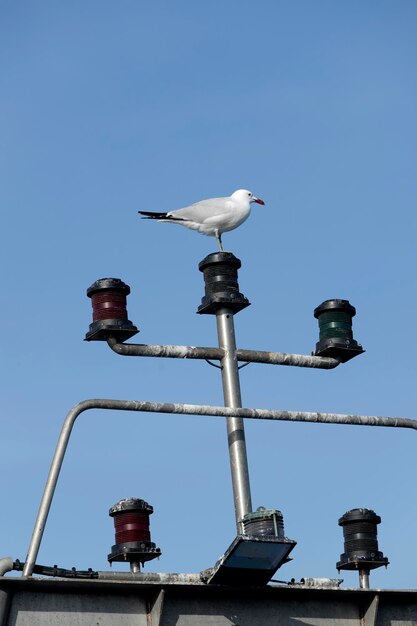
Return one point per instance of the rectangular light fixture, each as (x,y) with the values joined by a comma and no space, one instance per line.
(250,561)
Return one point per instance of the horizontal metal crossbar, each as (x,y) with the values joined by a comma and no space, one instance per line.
(249,356)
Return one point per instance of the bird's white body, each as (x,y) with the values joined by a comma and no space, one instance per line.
(211,217)
(215,214)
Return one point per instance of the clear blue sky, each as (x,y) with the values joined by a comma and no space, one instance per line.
(108,108)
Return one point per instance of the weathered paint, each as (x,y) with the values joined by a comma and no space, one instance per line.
(247,356)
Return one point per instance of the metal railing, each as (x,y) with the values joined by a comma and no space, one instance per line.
(179,409)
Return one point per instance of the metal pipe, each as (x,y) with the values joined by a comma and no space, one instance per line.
(284,358)
(247,356)
(181,409)
(50,486)
(235,426)
(152,577)
(6,565)
(173,352)
(364,579)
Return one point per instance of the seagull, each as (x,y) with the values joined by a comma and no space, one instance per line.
(212,217)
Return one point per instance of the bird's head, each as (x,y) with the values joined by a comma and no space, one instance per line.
(245,194)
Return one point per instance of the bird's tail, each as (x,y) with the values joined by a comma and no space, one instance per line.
(150,215)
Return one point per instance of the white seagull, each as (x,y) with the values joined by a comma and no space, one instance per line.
(212,217)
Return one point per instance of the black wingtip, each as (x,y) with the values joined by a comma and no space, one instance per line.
(151,215)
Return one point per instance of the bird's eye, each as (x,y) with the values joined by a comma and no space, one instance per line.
(249,194)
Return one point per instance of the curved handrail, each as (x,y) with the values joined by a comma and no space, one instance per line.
(184,409)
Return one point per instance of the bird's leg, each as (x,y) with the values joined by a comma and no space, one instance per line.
(219,240)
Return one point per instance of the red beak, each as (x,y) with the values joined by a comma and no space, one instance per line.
(259,201)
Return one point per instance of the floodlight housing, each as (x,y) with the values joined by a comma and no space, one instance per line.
(254,557)
(250,561)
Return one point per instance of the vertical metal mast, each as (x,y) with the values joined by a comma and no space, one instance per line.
(223,299)
(364,579)
(235,426)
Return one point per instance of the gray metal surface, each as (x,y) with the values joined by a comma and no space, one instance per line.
(59,602)
(153,577)
(77,609)
(184,409)
(285,358)
(6,565)
(5,598)
(246,356)
(235,426)
(364,579)
(159,351)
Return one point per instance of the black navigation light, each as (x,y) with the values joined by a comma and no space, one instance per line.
(221,284)
(361,550)
(335,325)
